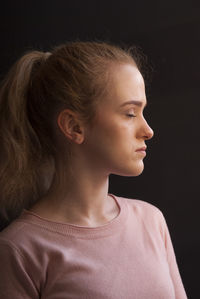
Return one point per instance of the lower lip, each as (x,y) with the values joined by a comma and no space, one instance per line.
(141,152)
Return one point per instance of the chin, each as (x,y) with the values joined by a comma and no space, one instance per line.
(134,171)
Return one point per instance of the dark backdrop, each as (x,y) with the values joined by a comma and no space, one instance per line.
(169,33)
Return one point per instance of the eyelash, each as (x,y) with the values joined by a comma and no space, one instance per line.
(131,115)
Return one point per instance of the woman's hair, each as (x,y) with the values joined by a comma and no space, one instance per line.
(39,85)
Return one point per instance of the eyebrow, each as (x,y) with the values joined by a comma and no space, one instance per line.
(137,103)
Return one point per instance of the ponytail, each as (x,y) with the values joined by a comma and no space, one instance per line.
(20,165)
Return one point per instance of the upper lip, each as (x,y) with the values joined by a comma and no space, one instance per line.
(141,149)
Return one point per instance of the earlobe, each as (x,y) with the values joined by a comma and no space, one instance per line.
(70,126)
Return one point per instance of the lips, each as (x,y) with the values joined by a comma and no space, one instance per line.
(142,149)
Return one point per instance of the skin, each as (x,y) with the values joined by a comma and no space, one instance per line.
(110,146)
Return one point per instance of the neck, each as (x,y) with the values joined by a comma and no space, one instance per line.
(79,197)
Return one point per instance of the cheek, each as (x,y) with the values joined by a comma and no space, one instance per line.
(112,136)
(103,143)
(118,143)
(120,135)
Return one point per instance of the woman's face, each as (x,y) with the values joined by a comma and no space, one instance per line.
(116,142)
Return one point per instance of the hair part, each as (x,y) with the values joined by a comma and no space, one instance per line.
(73,76)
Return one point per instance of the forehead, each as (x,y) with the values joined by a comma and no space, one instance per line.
(126,84)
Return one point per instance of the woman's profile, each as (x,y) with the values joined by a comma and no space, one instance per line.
(68,119)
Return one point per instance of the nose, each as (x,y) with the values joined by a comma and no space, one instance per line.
(147,131)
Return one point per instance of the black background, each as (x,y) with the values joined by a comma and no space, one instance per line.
(169,33)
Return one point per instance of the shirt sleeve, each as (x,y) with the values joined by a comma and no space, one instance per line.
(173,267)
(14,279)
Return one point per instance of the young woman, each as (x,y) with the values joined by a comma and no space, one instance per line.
(68,119)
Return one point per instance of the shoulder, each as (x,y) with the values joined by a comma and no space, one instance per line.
(141,207)
(22,234)
(22,257)
(13,235)
(145,212)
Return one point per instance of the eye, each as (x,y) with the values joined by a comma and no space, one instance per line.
(131,115)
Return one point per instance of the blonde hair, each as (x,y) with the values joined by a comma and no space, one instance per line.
(73,76)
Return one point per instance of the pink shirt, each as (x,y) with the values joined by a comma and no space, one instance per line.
(130,257)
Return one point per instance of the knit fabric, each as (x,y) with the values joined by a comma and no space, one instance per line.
(130,257)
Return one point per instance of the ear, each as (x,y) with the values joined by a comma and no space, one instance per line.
(71,126)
